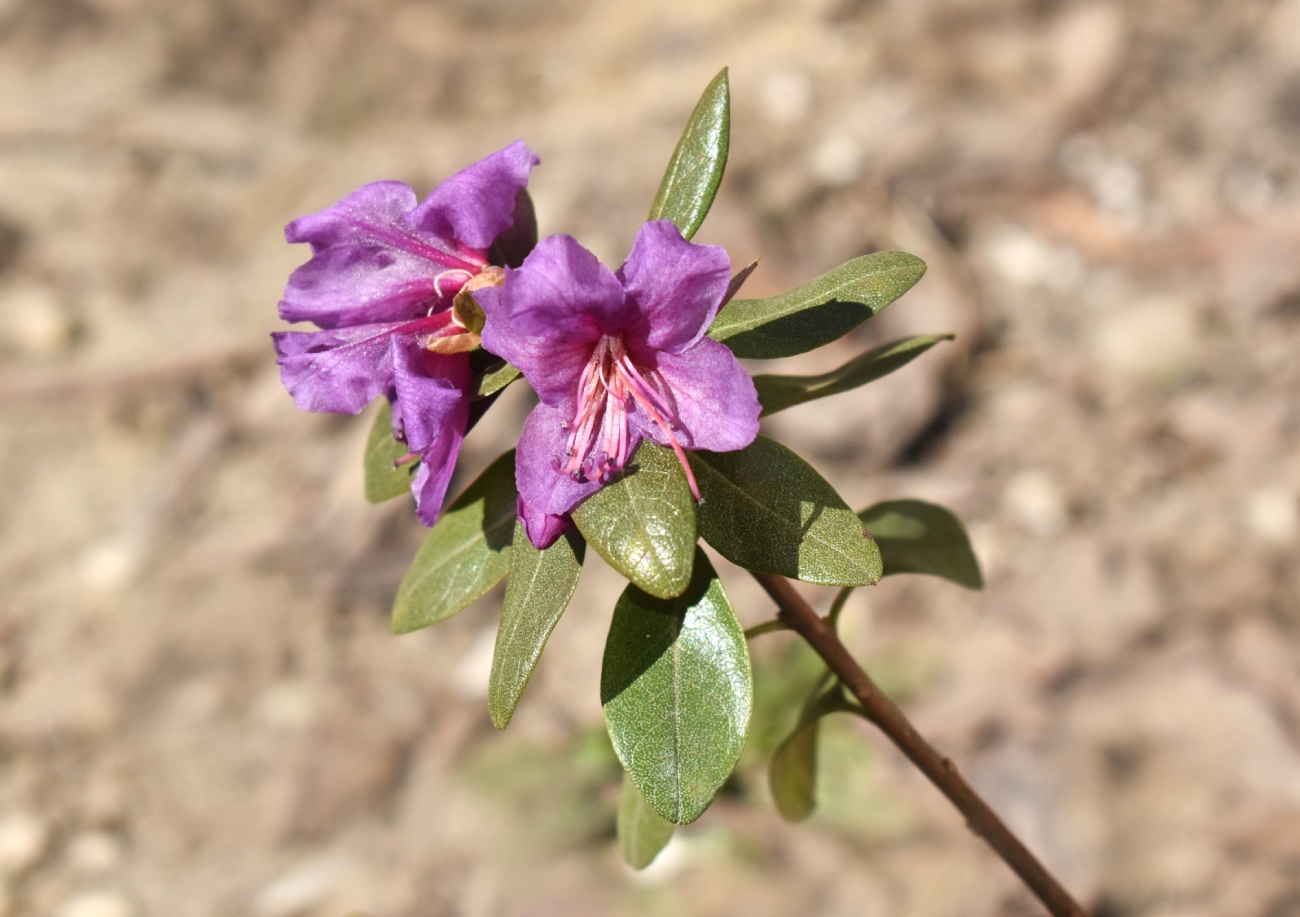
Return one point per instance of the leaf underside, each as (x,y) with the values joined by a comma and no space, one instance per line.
(539,589)
(776,393)
(642,832)
(768,510)
(643,522)
(792,772)
(820,311)
(464,555)
(695,170)
(920,537)
(677,691)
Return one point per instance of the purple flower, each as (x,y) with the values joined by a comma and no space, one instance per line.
(381,282)
(615,357)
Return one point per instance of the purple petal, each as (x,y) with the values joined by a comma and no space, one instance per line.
(543,529)
(717,405)
(542,442)
(369,264)
(430,388)
(676,285)
(437,465)
(477,204)
(338,371)
(549,313)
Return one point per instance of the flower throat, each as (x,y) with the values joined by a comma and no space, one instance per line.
(609,387)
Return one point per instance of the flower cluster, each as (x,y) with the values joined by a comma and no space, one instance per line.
(403,294)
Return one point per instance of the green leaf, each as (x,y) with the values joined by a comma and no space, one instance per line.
(768,510)
(464,555)
(776,393)
(643,522)
(792,773)
(920,537)
(695,170)
(493,379)
(539,589)
(820,311)
(642,832)
(383,480)
(677,692)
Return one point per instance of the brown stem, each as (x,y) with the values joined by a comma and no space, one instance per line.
(942,772)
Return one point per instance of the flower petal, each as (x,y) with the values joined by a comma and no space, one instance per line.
(338,371)
(437,465)
(430,388)
(369,264)
(549,313)
(543,529)
(541,444)
(677,286)
(477,204)
(717,405)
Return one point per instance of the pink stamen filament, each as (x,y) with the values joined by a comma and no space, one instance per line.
(607,383)
(409,457)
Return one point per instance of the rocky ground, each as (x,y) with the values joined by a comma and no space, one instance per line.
(201,709)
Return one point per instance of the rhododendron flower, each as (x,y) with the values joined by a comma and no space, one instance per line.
(381,282)
(615,357)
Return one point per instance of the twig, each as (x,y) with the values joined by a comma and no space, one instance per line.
(878,708)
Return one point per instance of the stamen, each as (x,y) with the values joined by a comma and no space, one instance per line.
(437,281)
(608,388)
(409,457)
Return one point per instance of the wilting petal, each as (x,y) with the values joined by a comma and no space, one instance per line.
(541,445)
(477,204)
(543,529)
(676,286)
(437,465)
(716,404)
(430,388)
(369,264)
(338,371)
(550,312)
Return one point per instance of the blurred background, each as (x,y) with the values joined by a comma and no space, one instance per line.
(201,709)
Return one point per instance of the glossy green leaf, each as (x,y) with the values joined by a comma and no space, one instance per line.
(464,555)
(820,311)
(642,832)
(383,481)
(695,170)
(539,589)
(920,537)
(792,773)
(677,691)
(643,523)
(768,510)
(493,379)
(776,393)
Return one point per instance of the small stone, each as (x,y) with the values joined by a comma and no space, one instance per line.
(94,852)
(301,887)
(97,904)
(34,320)
(1272,515)
(837,161)
(23,837)
(1154,339)
(1034,500)
(786,96)
(1025,259)
(287,705)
